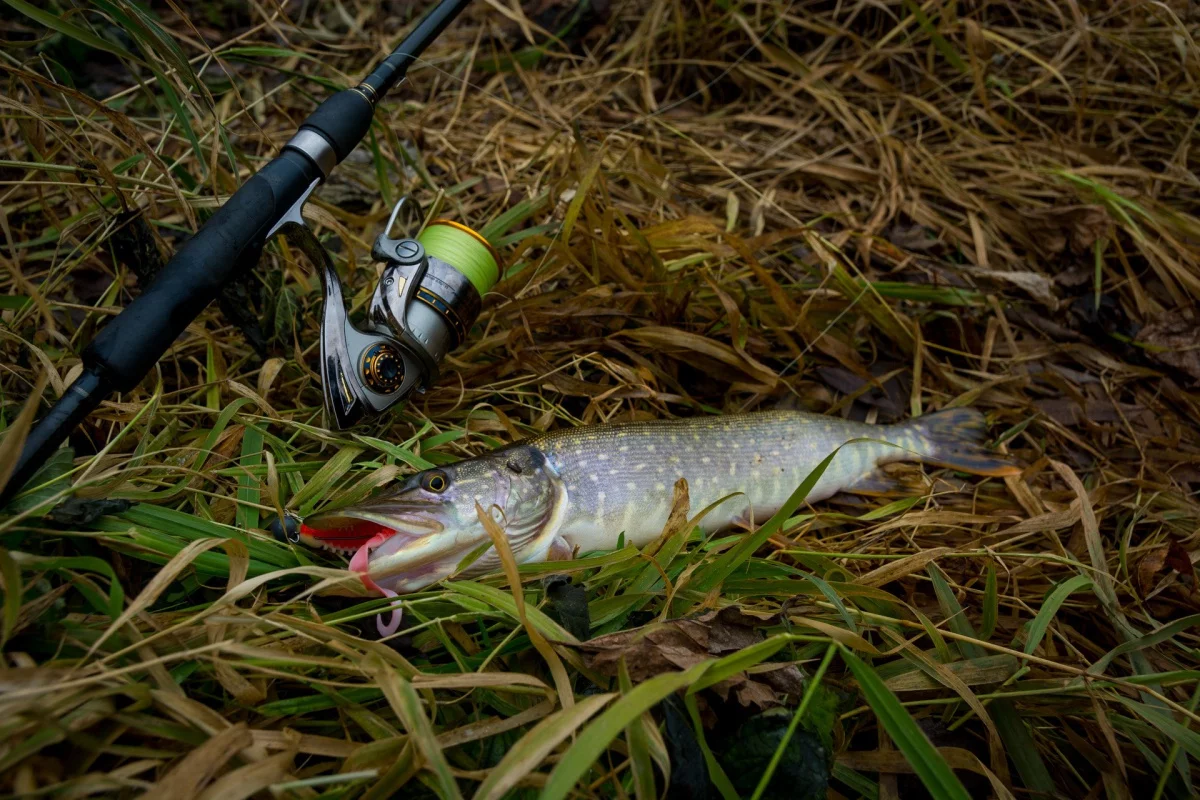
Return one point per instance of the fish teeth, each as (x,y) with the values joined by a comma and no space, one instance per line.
(333,547)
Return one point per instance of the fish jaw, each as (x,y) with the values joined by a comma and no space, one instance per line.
(421,532)
(409,566)
(361,533)
(404,555)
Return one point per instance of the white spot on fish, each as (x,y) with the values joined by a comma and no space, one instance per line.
(612,471)
(623,448)
(732,470)
(649,448)
(639,467)
(631,486)
(659,487)
(603,457)
(705,460)
(594,478)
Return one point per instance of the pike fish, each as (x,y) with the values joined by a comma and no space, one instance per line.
(577,490)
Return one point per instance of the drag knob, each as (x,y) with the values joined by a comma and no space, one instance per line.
(382,368)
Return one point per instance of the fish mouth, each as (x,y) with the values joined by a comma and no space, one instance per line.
(369,533)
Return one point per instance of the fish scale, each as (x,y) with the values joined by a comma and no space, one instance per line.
(620,478)
(582,489)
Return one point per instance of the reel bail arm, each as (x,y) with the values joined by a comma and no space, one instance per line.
(422,308)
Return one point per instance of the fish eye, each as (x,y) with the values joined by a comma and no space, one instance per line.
(435,481)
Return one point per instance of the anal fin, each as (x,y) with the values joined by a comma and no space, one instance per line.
(877,483)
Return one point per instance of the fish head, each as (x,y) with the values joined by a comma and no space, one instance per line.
(419,531)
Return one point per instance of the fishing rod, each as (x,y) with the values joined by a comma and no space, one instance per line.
(427,298)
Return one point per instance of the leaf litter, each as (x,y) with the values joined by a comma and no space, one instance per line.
(679,644)
(863,209)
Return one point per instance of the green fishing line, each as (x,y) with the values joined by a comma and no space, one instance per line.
(463,249)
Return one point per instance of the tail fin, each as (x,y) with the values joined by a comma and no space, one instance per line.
(953,438)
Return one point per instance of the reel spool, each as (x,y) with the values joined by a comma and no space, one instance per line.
(424,305)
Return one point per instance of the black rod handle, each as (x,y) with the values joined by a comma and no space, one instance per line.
(132,342)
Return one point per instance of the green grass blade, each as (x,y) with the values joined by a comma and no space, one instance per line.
(503,601)
(1171,729)
(1020,746)
(926,761)
(956,617)
(1039,625)
(596,737)
(991,604)
(638,743)
(712,575)
(809,692)
(1149,640)
(525,756)
(248,489)
(407,705)
(57,22)
(321,485)
(742,660)
(716,773)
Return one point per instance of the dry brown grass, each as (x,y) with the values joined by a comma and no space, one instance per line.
(863,208)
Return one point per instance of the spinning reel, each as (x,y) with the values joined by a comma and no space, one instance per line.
(425,303)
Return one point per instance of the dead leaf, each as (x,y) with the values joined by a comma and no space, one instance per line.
(1036,285)
(267,374)
(1179,560)
(1164,558)
(1173,339)
(913,238)
(678,644)
(1068,411)
(1149,566)
(1054,230)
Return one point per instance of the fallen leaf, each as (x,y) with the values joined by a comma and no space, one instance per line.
(1179,560)
(678,644)
(913,238)
(1067,411)
(1054,230)
(1173,339)
(1149,566)
(1038,286)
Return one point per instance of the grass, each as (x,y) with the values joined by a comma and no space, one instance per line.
(864,209)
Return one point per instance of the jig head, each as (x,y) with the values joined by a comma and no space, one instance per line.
(428,297)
